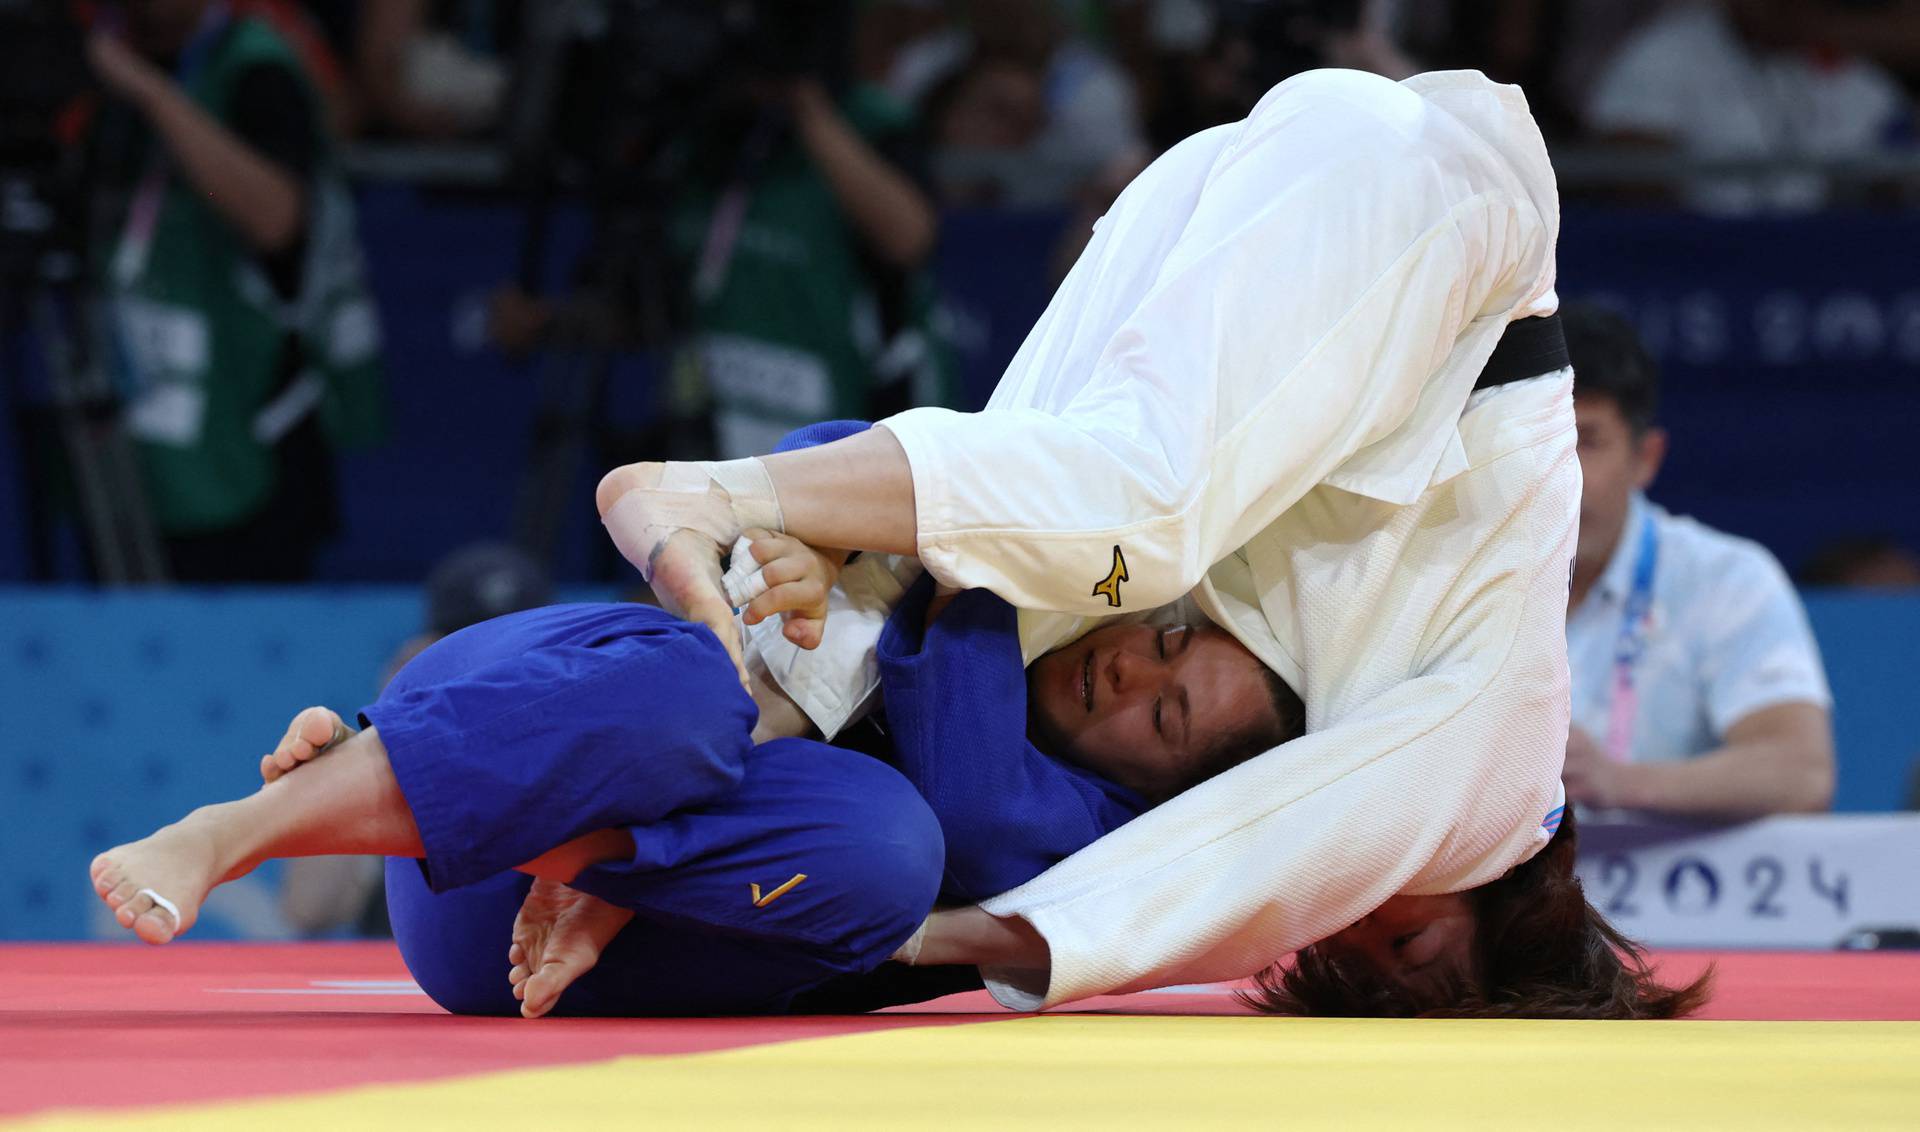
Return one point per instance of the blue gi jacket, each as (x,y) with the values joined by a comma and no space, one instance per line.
(955,703)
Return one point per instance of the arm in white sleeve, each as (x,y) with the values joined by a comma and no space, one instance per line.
(1436,781)
(1260,306)
(1438,785)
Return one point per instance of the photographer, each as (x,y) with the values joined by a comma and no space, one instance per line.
(795,226)
(235,288)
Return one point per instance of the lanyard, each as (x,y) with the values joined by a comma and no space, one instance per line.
(730,212)
(143,215)
(1632,643)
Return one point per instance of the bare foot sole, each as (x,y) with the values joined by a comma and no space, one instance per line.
(558,937)
(312,731)
(156,885)
(687,582)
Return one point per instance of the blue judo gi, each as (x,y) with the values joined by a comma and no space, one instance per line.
(765,878)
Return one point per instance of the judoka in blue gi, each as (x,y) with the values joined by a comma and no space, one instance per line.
(609,747)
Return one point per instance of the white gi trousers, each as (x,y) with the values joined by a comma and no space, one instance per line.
(1250,391)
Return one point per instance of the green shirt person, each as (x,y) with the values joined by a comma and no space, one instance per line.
(238,314)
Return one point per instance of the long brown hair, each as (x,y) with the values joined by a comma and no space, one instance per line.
(1540,951)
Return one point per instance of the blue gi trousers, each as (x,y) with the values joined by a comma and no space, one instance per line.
(758,871)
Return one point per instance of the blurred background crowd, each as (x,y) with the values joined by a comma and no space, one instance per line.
(371,290)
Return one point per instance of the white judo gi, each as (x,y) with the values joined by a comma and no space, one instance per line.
(1253,390)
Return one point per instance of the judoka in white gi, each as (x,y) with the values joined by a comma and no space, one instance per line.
(1254,392)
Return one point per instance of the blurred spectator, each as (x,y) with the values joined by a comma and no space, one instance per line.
(1744,79)
(236,288)
(1886,31)
(986,121)
(318,57)
(1552,48)
(1697,685)
(1863,563)
(886,27)
(434,69)
(473,584)
(325,895)
(1211,63)
(800,227)
(810,299)
(1089,114)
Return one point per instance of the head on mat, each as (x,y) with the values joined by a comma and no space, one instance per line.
(1159,708)
(1528,945)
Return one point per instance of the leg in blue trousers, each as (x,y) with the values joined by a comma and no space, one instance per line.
(864,841)
(757,872)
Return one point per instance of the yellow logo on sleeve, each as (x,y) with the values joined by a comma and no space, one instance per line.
(1109,586)
(760,901)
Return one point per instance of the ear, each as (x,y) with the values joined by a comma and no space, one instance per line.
(1649,453)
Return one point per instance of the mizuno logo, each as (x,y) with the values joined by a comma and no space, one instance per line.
(760,901)
(1109,586)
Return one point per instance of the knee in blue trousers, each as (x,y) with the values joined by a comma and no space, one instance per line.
(818,866)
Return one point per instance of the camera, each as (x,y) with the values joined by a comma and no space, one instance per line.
(45,99)
(606,84)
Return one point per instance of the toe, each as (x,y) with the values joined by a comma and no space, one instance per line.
(131,907)
(122,893)
(155,926)
(105,874)
(316,727)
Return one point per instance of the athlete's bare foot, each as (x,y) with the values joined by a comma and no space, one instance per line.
(557,937)
(312,731)
(179,864)
(348,803)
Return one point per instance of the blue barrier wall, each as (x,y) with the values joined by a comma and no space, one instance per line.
(1791,349)
(124,711)
(121,712)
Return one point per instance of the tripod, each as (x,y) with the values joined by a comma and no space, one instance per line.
(576,118)
(45,299)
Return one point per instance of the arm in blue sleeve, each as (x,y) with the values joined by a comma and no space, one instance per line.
(956,708)
(825,432)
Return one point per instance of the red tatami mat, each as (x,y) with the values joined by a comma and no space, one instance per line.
(108,1025)
(128,1025)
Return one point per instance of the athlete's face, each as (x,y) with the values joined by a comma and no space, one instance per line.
(1144,705)
(1420,944)
(1615,462)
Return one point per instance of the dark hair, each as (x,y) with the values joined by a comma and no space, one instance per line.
(1289,722)
(1540,951)
(1609,361)
(1842,561)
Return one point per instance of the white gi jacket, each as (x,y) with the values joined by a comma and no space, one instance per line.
(1251,389)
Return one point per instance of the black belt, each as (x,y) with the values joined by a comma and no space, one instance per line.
(1528,348)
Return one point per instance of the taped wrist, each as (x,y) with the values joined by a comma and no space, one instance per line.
(718,499)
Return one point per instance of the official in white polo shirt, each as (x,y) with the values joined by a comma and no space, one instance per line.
(1697,685)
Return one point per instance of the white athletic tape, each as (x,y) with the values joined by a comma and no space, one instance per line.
(750,492)
(160,901)
(718,500)
(744,579)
